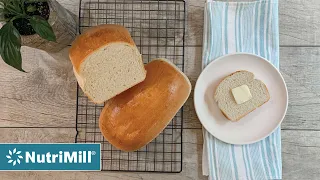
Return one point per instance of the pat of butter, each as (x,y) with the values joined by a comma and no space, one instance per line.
(241,94)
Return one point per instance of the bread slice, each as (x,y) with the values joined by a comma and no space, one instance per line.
(135,117)
(106,62)
(226,102)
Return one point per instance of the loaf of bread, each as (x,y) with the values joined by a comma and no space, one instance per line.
(135,117)
(226,102)
(106,62)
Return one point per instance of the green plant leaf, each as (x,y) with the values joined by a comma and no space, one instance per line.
(31,8)
(31,1)
(1,14)
(43,28)
(3,11)
(10,45)
(14,6)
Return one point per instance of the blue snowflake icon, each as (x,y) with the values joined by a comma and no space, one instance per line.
(14,157)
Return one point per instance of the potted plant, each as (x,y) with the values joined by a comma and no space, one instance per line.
(42,24)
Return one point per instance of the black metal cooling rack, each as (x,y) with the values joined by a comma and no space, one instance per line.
(158,29)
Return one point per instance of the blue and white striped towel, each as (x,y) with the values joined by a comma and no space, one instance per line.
(242,27)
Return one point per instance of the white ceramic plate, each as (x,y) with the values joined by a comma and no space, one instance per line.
(256,125)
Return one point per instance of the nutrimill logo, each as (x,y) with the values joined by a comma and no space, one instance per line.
(61,157)
(50,156)
(14,157)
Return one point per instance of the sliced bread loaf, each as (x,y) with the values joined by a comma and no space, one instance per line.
(226,102)
(106,62)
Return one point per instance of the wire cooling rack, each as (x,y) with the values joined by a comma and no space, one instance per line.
(158,29)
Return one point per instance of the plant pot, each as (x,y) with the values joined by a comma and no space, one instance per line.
(64,25)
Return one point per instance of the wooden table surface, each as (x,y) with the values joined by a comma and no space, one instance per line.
(40,106)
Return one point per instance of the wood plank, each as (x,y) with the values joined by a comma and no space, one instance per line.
(300,153)
(300,68)
(44,97)
(299,22)
(194,22)
(37,135)
(192,150)
(193,66)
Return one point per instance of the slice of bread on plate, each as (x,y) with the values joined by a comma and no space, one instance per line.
(226,101)
(106,62)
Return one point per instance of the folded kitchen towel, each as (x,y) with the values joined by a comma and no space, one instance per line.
(251,27)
